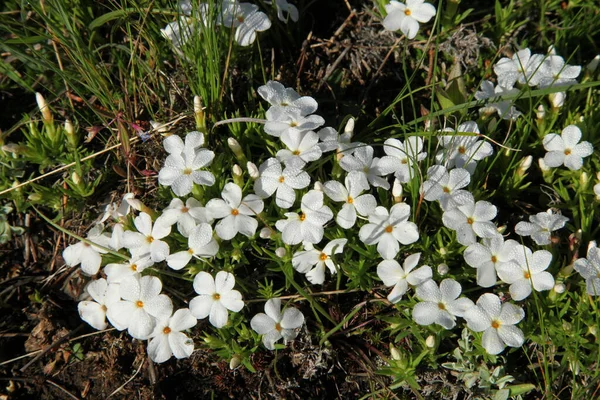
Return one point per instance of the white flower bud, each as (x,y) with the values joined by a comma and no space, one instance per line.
(443,269)
(234,145)
(253,170)
(524,165)
(557,99)
(76,178)
(265,233)
(395,353)
(430,341)
(235,362)
(280,252)
(397,191)
(551,50)
(159,128)
(543,166)
(236,170)
(560,288)
(318,186)
(584,179)
(541,112)
(349,128)
(46,113)
(593,65)
(69,127)
(197,105)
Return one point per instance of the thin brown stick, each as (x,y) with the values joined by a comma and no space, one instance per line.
(128,380)
(56,385)
(52,346)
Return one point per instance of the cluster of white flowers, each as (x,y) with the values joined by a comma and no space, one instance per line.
(245,18)
(524,68)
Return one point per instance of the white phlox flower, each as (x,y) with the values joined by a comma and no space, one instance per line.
(400,277)
(308,225)
(275,325)
(168,340)
(354,201)
(497,322)
(388,229)
(284,7)
(440,305)
(331,140)
(463,148)
(373,170)
(504,108)
(312,262)
(115,272)
(118,211)
(147,240)
(406,17)
(487,256)
(116,237)
(287,98)
(187,215)
(86,254)
(565,149)
(182,166)
(216,296)
(446,187)
(557,73)
(179,31)
(589,269)
(408,154)
(274,179)
(201,244)
(527,270)
(522,67)
(236,213)
(291,121)
(541,226)
(471,220)
(103,295)
(247,20)
(301,149)
(140,307)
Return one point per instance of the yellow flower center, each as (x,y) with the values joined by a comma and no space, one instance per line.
(133,267)
(407,12)
(278,327)
(281,179)
(526,275)
(350,200)
(234,212)
(302,217)
(323,257)
(389,229)
(104,308)
(187,171)
(296,152)
(139,304)
(441,306)
(191,251)
(149,239)
(462,150)
(470,221)
(293,124)
(216,296)
(184,209)
(167,330)
(496,324)
(446,189)
(567,152)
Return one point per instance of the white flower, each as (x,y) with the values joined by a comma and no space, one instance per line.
(236,212)
(497,322)
(175,145)
(287,98)
(387,230)
(85,254)
(282,120)
(408,153)
(487,256)
(471,220)
(446,187)
(589,268)
(201,244)
(118,211)
(350,194)
(182,170)
(540,226)
(504,108)
(308,225)
(284,7)
(301,149)
(179,31)
(141,306)
(440,305)
(566,149)
(392,274)
(104,295)
(168,340)
(331,140)
(406,17)
(148,240)
(216,297)
(525,270)
(187,215)
(273,179)
(557,73)
(115,273)
(372,169)
(463,151)
(275,325)
(522,67)
(246,18)
(312,262)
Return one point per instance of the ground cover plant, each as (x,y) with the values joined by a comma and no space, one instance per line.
(345,199)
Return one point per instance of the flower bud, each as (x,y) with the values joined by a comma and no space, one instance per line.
(543,166)
(318,186)
(560,288)
(443,269)
(540,113)
(234,145)
(593,65)
(349,128)
(76,178)
(280,252)
(235,362)
(35,197)
(430,341)
(551,50)
(237,172)
(71,135)
(557,99)
(397,191)
(265,233)
(253,170)
(593,330)
(524,165)
(199,115)
(46,113)
(584,179)
(395,353)
(160,128)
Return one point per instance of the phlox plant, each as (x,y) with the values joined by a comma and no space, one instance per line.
(413,219)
